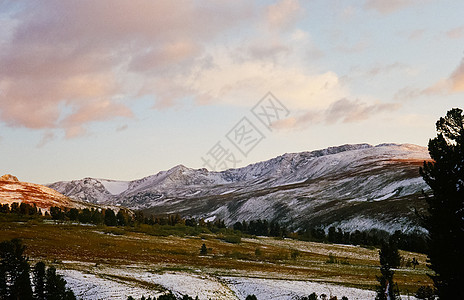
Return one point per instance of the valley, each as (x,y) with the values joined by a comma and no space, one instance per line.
(120,261)
(360,191)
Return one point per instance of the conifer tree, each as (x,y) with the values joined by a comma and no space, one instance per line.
(55,286)
(387,289)
(39,281)
(445,219)
(14,271)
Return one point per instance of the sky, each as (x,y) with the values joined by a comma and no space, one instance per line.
(124,89)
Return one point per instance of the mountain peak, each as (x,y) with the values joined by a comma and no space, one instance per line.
(179,168)
(9,177)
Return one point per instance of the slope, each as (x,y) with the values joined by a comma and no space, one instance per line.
(352,186)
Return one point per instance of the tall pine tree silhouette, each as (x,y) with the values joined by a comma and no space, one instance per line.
(39,281)
(445,219)
(14,271)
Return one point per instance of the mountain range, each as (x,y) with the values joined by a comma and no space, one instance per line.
(356,186)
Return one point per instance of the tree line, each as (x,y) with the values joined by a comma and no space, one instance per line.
(415,241)
(21,209)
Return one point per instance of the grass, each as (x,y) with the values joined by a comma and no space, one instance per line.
(227,255)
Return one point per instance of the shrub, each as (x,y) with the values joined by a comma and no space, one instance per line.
(294,254)
(233,239)
(203,250)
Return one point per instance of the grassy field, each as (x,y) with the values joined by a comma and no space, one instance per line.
(252,257)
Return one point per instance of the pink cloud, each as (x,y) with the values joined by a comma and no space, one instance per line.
(416,34)
(389,6)
(456,33)
(348,111)
(283,13)
(96,111)
(454,83)
(341,111)
(81,56)
(457,78)
(152,60)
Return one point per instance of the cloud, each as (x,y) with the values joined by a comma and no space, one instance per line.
(86,57)
(348,111)
(283,13)
(341,111)
(457,78)
(416,34)
(46,138)
(356,47)
(389,6)
(122,128)
(456,33)
(96,111)
(152,60)
(383,69)
(243,84)
(454,83)
(68,64)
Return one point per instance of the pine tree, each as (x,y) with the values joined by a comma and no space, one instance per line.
(22,288)
(3,278)
(14,271)
(169,296)
(445,219)
(55,286)
(389,254)
(386,284)
(39,281)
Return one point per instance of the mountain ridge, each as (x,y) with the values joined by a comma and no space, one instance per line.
(344,181)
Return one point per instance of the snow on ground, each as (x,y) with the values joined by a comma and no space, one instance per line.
(135,281)
(228,192)
(181,283)
(291,289)
(193,194)
(119,283)
(92,287)
(210,219)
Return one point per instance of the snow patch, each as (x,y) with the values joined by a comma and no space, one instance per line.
(115,187)
(291,289)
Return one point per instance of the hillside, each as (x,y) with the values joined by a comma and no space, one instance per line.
(12,190)
(351,186)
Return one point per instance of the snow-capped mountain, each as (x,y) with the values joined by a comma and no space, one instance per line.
(351,186)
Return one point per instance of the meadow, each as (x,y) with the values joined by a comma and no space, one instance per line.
(161,249)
